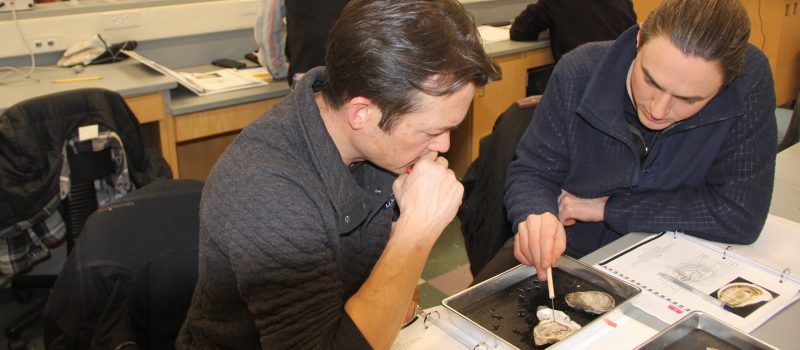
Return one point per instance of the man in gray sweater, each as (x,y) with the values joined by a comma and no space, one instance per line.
(301,244)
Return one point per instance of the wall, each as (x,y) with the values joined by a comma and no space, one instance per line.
(168,34)
(179,34)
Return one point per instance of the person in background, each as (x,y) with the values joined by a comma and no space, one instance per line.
(670,127)
(313,229)
(301,39)
(573,22)
(270,36)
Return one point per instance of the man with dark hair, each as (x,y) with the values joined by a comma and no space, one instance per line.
(670,127)
(314,230)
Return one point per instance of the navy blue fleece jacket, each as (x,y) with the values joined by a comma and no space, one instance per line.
(710,175)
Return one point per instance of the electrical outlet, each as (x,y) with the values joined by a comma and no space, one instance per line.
(46,43)
(16,5)
(121,19)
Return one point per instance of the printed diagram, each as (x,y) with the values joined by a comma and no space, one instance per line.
(694,272)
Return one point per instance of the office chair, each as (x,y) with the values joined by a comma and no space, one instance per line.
(75,209)
(130,278)
(482,213)
(53,176)
(793,131)
(537,79)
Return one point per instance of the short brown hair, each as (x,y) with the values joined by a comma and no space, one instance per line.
(715,30)
(390,50)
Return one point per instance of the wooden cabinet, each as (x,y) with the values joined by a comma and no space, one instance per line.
(787,64)
(489,102)
(495,98)
(149,109)
(192,143)
(201,137)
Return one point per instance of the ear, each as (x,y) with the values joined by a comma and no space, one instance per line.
(359,111)
(639,34)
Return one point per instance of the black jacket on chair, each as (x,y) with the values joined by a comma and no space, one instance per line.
(32,134)
(482,213)
(129,280)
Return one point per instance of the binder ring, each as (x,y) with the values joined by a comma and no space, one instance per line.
(480,345)
(725,252)
(430,317)
(785,271)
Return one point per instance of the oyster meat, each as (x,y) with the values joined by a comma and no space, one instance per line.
(739,294)
(551,330)
(593,302)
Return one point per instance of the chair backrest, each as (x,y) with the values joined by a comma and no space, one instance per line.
(793,131)
(85,168)
(39,138)
(537,79)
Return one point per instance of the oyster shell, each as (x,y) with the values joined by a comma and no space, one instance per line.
(739,294)
(551,330)
(593,302)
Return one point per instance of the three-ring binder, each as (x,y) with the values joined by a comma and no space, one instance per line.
(725,252)
(784,273)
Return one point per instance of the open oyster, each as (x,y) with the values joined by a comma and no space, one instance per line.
(551,330)
(739,294)
(593,302)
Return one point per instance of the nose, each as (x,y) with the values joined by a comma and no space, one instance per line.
(441,143)
(660,105)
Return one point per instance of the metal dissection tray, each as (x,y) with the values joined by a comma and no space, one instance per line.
(501,311)
(700,331)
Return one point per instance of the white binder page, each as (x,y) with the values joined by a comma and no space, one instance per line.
(750,292)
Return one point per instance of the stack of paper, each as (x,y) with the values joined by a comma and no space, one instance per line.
(491,34)
(206,83)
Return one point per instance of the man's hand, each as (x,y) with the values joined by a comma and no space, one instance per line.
(413,307)
(572,209)
(539,242)
(429,196)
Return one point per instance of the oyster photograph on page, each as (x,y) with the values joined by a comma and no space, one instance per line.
(743,294)
(743,297)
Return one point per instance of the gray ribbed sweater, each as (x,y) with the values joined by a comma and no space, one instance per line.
(287,234)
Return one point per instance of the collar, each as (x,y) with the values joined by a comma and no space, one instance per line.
(628,84)
(354,191)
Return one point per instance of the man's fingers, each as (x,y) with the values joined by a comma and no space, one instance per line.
(518,252)
(562,195)
(561,242)
(442,161)
(430,155)
(549,227)
(525,248)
